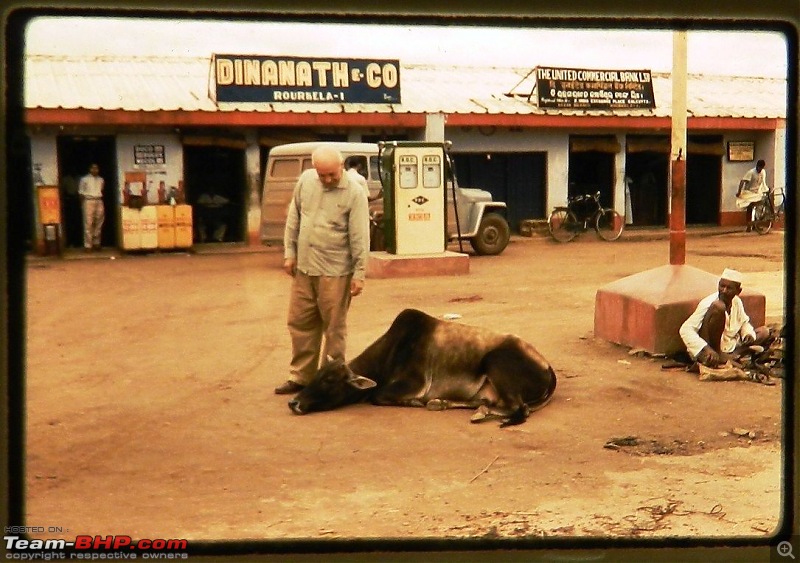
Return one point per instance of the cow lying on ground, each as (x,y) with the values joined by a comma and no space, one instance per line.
(422,361)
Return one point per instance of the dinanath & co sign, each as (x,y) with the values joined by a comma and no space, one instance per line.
(246,78)
(571,88)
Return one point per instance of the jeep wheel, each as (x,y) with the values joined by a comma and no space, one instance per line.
(492,236)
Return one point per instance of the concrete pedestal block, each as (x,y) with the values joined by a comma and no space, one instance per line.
(386,265)
(646,310)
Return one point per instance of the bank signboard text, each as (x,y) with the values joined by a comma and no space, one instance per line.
(572,88)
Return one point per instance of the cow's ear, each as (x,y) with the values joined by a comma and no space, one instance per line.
(361,382)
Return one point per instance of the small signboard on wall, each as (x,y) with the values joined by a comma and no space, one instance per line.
(148,154)
(741,151)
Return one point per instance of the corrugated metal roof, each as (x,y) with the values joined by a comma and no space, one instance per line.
(177,83)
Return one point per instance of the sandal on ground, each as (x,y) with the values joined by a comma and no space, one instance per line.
(762,378)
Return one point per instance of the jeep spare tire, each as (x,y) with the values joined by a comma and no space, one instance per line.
(492,236)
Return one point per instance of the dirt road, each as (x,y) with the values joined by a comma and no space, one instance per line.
(150,409)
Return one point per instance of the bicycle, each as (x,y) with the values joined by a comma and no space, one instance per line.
(767,211)
(565,223)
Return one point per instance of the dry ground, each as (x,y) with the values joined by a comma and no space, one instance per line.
(150,409)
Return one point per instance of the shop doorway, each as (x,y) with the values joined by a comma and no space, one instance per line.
(590,172)
(647,174)
(215,183)
(519,179)
(591,166)
(75,154)
(703,185)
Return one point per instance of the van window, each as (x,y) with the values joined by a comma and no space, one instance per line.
(285,168)
(373,167)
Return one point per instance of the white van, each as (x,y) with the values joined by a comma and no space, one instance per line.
(480,220)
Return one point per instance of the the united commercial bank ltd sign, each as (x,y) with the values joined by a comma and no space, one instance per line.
(253,78)
(578,88)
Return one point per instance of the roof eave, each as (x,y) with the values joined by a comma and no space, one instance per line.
(183,118)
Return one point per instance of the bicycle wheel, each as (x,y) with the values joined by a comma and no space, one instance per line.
(563,225)
(762,218)
(609,224)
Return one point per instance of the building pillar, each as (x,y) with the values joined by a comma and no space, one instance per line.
(434,127)
(253,196)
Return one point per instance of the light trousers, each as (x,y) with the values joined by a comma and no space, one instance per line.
(318,308)
(93,217)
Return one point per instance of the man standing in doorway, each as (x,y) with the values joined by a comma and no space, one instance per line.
(326,245)
(90,190)
(751,190)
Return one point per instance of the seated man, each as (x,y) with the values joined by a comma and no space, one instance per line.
(719,329)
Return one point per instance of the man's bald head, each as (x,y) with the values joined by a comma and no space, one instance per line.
(328,163)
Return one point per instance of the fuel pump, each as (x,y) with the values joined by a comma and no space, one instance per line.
(413,180)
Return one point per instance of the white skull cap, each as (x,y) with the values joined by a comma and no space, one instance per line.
(732,275)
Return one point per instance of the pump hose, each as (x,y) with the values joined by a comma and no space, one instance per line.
(451,169)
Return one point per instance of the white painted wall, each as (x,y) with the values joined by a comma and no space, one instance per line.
(779,175)
(44,155)
(767,147)
(171,172)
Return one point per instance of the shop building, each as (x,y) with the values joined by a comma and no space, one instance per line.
(201,129)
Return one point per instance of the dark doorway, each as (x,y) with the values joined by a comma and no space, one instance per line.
(519,179)
(703,183)
(648,172)
(75,155)
(215,188)
(592,171)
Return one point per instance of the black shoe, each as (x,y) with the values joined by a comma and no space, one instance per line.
(748,229)
(289,388)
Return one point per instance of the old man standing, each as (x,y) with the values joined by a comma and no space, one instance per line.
(326,245)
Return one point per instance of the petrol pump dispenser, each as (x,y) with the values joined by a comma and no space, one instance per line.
(412,176)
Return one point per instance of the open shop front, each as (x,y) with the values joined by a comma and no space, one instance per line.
(592,165)
(215,183)
(647,179)
(75,154)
